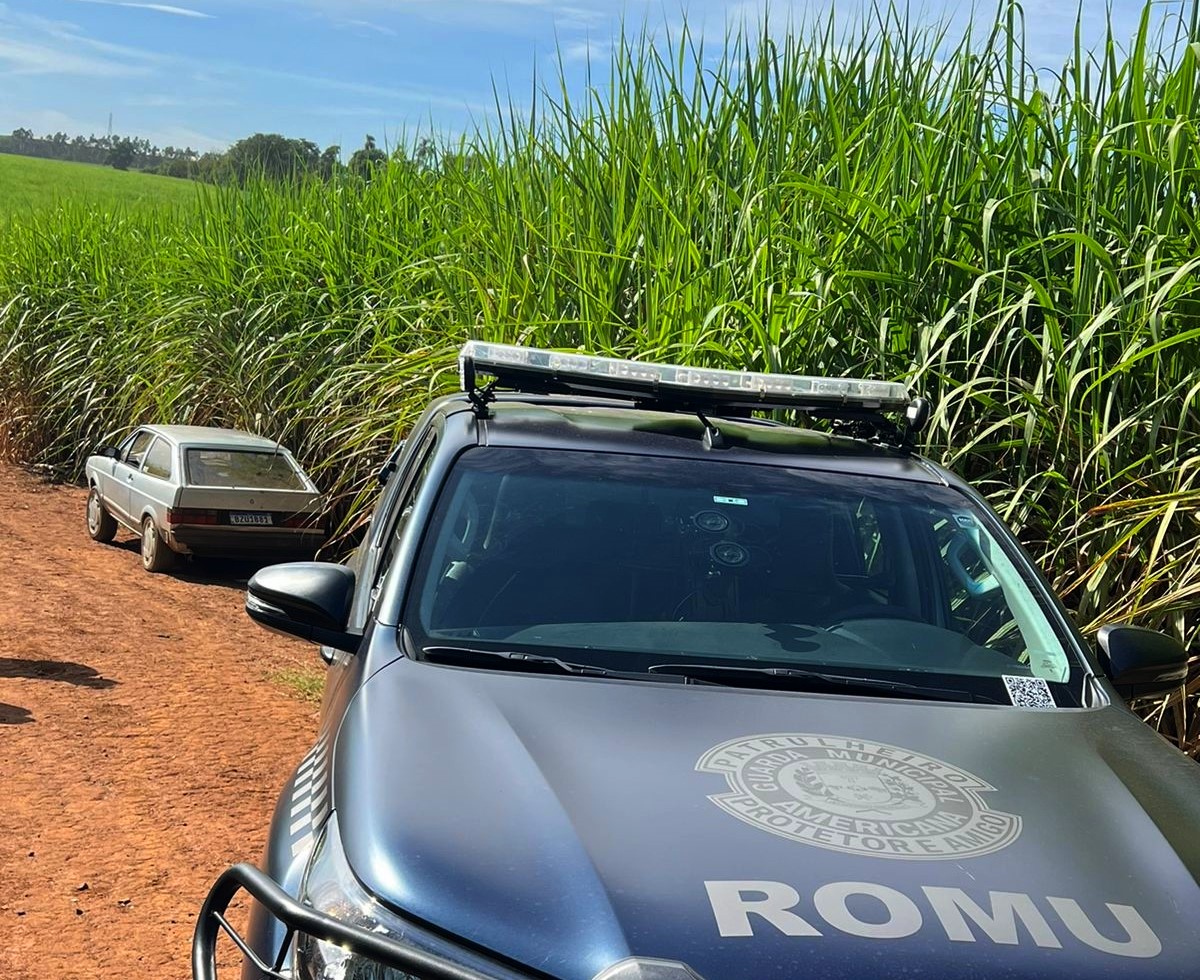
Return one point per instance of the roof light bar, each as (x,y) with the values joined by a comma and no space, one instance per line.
(530,369)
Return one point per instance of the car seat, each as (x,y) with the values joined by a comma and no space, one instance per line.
(574,562)
(796,581)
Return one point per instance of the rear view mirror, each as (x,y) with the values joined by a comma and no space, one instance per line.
(306,599)
(1140,662)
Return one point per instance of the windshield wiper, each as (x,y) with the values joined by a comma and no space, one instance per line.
(790,678)
(793,678)
(517,660)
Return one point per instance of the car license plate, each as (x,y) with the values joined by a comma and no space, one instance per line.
(235,518)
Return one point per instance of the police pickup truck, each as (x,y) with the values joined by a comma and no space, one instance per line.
(630,683)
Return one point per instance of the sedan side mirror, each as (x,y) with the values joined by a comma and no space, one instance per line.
(306,599)
(111,452)
(1140,662)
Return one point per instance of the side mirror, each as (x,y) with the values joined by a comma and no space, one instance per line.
(112,452)
(1140,662)
(306,599)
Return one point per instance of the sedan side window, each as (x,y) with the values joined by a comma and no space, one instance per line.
(158,460)
(137,449)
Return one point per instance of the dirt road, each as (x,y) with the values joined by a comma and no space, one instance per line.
(141,744)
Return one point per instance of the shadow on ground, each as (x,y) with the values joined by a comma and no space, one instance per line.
(231,573)
(11,714)
(64,671)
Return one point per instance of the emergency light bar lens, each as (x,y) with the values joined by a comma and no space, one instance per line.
(667,380)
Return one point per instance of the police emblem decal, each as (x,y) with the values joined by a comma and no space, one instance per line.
(858,796)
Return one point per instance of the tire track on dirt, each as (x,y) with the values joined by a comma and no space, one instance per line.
(141,747)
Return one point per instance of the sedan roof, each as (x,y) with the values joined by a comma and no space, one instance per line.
(212,436)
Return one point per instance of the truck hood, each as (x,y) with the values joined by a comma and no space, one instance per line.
(567,823)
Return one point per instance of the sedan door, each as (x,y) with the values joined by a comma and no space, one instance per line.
(152,485)
(124,471)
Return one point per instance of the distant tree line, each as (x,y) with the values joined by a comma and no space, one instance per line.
(263,155)
(122,152)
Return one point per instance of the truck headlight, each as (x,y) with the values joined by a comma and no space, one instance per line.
(330,887)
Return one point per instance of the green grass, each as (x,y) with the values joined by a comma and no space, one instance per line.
(29,185)
(896,203)
(304,683)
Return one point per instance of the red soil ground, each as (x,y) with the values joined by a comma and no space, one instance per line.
(142,745)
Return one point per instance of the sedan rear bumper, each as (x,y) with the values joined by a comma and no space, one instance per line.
(245,541)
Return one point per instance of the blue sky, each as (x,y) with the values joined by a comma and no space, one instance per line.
(206,72)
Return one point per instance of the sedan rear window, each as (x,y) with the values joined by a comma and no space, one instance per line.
(242,468)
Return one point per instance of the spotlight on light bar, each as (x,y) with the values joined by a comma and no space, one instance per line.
(531,370)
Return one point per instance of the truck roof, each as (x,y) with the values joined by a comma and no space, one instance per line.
(616,425)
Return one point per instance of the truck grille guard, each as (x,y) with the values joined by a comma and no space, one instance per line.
(303,919)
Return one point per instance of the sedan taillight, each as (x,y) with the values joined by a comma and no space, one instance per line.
(192,515)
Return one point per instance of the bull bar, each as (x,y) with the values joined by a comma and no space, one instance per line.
(300,918)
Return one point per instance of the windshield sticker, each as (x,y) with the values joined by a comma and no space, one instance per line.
(735,501)
(1049,668)
(858,797)
(1029,692)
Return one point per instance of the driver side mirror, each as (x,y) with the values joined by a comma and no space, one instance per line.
(306,599)
(110,452)
(1140,662)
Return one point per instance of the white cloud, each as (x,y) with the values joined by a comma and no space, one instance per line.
(349,112)
(176,102)
(44,121)
(411,95)
(162,8)
(47,121)
(367,25)
(182,136)
(33,45)
(511,17)
(588,49)
(25,58)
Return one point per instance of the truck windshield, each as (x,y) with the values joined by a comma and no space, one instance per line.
(631,561)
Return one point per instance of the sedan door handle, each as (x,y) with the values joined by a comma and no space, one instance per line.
(129,478)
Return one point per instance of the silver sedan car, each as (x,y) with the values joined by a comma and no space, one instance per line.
(196,490)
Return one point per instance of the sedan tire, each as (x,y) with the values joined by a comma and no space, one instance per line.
(101,525)
(156,555)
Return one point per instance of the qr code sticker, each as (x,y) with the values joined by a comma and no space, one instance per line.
(1029,692)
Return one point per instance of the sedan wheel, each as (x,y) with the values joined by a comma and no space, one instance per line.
(156,555)
(101,525)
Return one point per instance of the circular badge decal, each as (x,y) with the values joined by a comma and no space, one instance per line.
(858,796)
